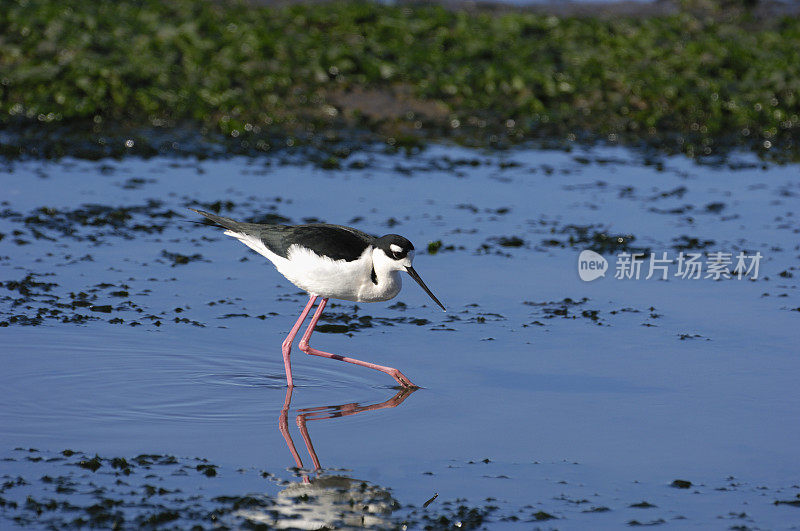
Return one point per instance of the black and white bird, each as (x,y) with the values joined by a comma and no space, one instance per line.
(330,261)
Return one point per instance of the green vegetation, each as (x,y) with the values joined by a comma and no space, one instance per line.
(695,81)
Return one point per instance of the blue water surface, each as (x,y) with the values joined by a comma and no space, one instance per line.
(541,392)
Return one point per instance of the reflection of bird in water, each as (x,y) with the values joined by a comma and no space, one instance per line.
(327,501)
(333,502)
(330,261)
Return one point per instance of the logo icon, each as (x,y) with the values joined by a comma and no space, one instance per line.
(591,265)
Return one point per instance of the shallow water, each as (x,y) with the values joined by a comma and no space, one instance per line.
(543,395)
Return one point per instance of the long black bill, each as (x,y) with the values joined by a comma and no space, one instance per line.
(415,276)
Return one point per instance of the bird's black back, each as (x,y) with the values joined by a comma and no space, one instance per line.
(334,241)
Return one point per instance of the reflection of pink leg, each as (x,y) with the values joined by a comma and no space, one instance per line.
(301,423)
(283,426)
(330,412)
(305,347)
(286,348)
(344,410)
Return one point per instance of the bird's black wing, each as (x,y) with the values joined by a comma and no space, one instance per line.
(334,241)
(226,223)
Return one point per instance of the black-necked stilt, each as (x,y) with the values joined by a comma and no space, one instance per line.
(330,261)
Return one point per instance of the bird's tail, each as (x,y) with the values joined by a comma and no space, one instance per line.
(226,223)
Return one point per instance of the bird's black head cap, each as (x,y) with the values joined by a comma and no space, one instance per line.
(395,246)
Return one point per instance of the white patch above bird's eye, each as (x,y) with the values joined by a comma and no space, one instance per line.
(395,248)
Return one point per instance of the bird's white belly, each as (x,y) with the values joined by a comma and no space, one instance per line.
(337,279)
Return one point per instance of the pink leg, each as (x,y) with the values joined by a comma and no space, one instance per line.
(305,347)
(286,347)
